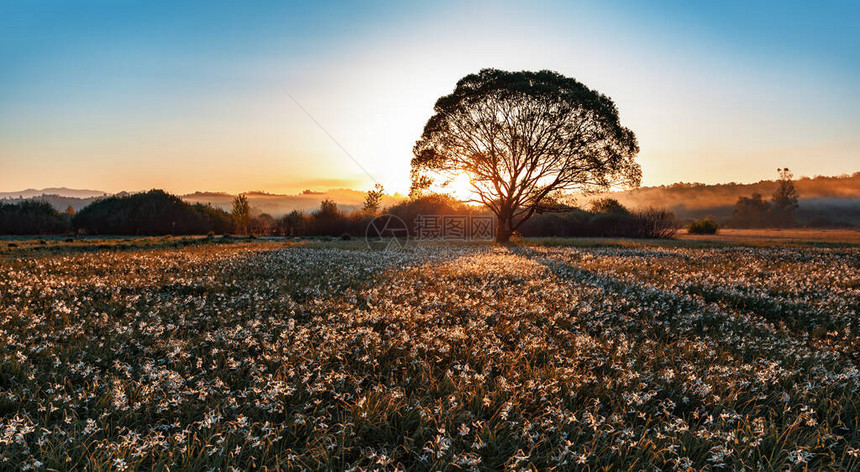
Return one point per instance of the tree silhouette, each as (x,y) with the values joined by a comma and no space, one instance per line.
(784,200)
(31,217)
(521,136)
(241,213)
(751,212)
(373,199)
(153,212)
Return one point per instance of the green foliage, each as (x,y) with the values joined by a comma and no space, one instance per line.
(32,217)
(705,226)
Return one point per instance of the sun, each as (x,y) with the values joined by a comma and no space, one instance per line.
(460,187)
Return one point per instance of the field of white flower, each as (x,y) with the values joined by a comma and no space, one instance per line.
(242,356)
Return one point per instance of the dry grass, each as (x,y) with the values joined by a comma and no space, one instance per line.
(779,236)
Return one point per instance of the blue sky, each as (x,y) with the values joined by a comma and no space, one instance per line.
(191,96)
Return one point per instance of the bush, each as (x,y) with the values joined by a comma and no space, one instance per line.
(655,224)
(706,226)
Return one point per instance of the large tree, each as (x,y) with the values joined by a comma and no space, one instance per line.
(521,136)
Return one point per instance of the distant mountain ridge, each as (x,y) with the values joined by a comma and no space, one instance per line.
(58,191)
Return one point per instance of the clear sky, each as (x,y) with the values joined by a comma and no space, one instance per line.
(130,95)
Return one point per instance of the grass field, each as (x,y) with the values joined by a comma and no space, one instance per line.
(172,354)
(781,237)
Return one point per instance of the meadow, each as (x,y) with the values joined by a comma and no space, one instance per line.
(547,355)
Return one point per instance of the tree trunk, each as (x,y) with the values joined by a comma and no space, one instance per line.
(503,229)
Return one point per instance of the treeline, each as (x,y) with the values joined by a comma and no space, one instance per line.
(159,213)
(151,213)
(33,217)
(606,218)
(779,212)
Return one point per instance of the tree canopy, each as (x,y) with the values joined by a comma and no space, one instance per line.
(241,213)
(785,199)
(155,212)
(521,136)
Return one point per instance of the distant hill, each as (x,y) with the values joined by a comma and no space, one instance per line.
(277,205)
(52,191)
(59,202)
(837,198)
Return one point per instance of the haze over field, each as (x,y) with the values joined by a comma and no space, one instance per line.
(837,197)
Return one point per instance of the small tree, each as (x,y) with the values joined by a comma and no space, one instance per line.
(328,209)
(784,200)
(241,213)
(262,224)
(293,223)
(70,210)
(373,200)
(521,136)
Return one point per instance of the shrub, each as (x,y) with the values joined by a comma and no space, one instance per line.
(655,224)
(706,226)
